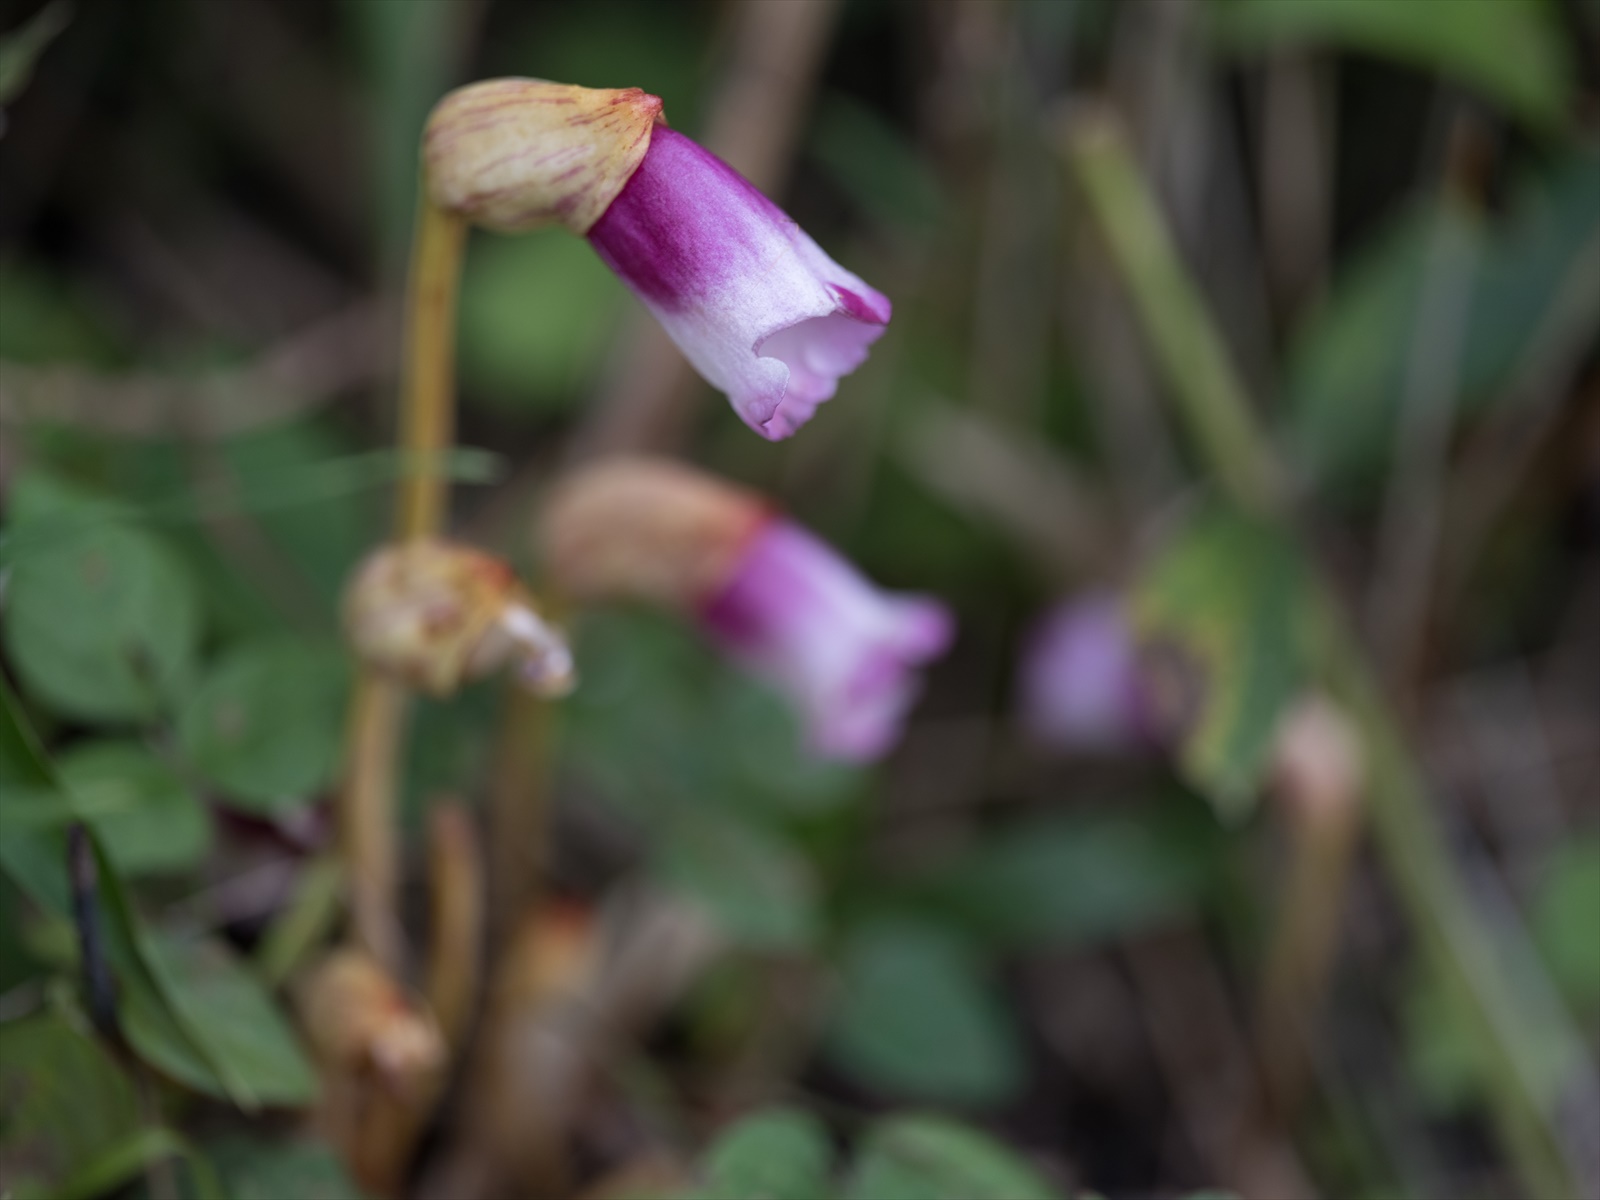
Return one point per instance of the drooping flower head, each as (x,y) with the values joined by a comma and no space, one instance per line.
(756,305)
(436,614)
(1081,685)
(771,595)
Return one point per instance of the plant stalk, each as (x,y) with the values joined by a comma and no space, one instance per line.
(1210,399)
(378,707)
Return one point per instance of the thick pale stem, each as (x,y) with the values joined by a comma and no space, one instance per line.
(427,422)
(1206,391)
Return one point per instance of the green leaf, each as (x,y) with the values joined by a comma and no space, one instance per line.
(251,1045)
(1566,922)
(1219,619)
(36,861)
(780,1154)
(101,622)
(1070,881)
(265,724)
(63,1101)
(932,1158)
(537,313)
(20,48)
(118,1163)
(270,1170)
(1528,279)
(141,807)
(760,890)
(1513,51)
(917,1015)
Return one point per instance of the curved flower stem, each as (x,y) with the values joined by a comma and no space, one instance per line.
(427,422)
(1209,396)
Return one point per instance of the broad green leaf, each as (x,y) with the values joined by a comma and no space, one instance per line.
(1513,51)
(36,861)
(250,1042)
(62,1101)
(1069,880)
(271,1170)
(34,856)
(933,1158)
(141,807)
(265,724)
(780,1154)
(1529,278)
(759,889)
(917,1015)
(101,623)
(1566,922)
(1219,618)
(138,1151)
(537,312)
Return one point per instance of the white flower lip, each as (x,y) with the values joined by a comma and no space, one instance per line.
(755,305)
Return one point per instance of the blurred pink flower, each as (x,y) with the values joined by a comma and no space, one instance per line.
(752,302)
(797,614)
(1081,686)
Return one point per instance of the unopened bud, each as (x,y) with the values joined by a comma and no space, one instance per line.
(437,614)
(647,529)
(357,1019)
(514,154)
(1317,762)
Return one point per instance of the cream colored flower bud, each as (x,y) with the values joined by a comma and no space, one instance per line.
(646,529)
(358,1019)
(436,614)
(513,154)
(1318,764)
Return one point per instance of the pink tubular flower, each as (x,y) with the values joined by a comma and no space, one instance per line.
(1081,685)
(775,598)
(797,614)
(752,302)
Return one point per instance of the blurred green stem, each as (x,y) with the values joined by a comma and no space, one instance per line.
(1210,398)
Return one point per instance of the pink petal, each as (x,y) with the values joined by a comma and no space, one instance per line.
(802,617)
(1081,686)
(756,305)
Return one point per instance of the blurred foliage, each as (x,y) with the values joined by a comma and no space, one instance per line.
(1221,617)
(175,684)
(784,1154)
(1529,273)
(1512,50)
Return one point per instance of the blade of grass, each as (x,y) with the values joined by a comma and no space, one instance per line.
(1209,398)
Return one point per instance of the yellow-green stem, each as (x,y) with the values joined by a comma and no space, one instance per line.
(1209,397)
(427,422)
(427,400)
